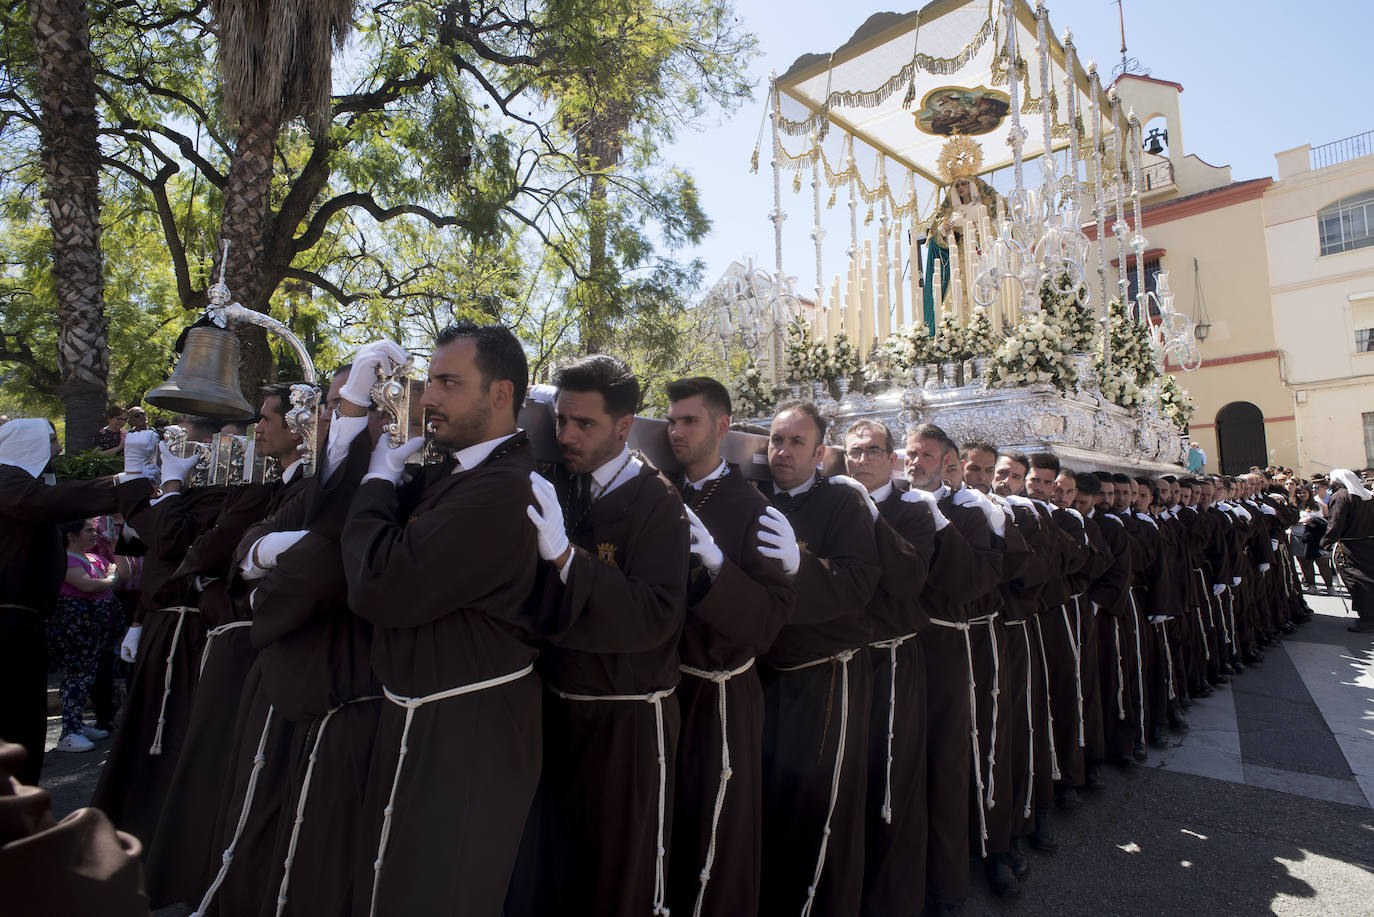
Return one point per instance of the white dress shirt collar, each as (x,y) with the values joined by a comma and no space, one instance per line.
(882,493)
(803,487)
(721,470)
(475,455)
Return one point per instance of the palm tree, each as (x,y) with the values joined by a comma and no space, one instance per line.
(275,59)
(71,161)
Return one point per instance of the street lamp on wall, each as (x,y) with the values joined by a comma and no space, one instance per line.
(1201,330)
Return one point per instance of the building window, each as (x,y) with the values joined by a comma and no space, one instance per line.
(1364,340)
(1368,438)
(1151,268)
(1347,224)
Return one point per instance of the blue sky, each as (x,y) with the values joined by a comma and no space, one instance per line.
(1259,77)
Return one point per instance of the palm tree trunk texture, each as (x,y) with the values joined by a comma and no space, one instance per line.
(244,225)
(71,161)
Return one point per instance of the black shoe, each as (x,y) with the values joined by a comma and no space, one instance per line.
(1177,722)
(1263,640)
(1066,797)
(1254,657)
(1125,762)
(1043,838)
(1093,782)
(1139,753)
(1185,699)
(1156,738)
(1001,877)
(944,907)
(1020,863)
(1205,690)
(1218,679)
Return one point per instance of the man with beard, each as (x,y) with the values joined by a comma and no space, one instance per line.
(442,567)
(613,612)
(32,505)
(816,702)
(951,692)
(912,537)
(737,600)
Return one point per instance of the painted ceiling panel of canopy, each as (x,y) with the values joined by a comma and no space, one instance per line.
(949,59)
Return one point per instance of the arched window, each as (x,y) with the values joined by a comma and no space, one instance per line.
(1347,224)
(1240,438)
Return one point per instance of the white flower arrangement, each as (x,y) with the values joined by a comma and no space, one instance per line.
(1133,367)
(1034,353)
(906,349)
(980,338)
(949,345)
(1077,320)
(1175,403)
(842,361)
(751,398)
(805,358)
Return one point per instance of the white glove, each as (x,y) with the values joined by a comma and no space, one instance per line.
(703,545)
(997,520)
(1273,544)
(547,519)
(847,481)
(778,541)
(1235,581)
(920,496)
(384,355)
(1268,510)
(176,469)
(1264,568)
(139,448)
(1218,589)
(1244,512)
(387,463)
(128,650)
(267,549)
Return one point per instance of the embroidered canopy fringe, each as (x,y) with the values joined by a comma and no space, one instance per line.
(841,178)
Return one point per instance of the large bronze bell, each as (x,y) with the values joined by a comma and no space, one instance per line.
(205,380)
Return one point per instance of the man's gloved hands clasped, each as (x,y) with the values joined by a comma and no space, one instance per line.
(704,546)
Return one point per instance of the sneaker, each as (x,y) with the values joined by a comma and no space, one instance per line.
(95,732)
(74,742)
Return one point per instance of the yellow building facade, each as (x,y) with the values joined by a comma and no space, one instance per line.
(1319,234)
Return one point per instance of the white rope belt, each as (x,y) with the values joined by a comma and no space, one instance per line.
(963,627)
(656,699)
(1074,632)
(214,632)
(1030,718)
(1168,655)
(995,693)
(1202,628)
(720,677)
(1139,666)
(891,646)
(305,795)
(180,611)
(411,704)
(1231,610)
(259,759)
(1049,713)
(843,659)
(1221,614)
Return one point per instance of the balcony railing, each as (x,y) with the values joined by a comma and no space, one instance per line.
(1339,151)
(1152,178)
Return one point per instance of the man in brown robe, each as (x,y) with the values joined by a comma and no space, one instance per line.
(442,568)
(816,697)
(165,643)
(181,856)
(737,599)
(32,566)
(922,557)
(953,750)
(1352,530)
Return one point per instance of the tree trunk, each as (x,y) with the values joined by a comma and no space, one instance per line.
(244,224)
(71,162)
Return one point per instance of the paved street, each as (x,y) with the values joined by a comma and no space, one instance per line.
(1264,807)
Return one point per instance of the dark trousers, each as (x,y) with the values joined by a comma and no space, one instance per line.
(24,686)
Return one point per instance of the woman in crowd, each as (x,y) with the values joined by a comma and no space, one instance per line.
(84,627)
(109,439)
(1304,537)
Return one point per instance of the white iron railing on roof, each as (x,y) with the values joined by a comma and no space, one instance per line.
(1339,151)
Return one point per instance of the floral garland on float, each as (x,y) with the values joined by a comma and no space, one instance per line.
(751,397)
(1034,354)
(1076,320)
(841,364)
(1175,403)
(907,354)
(1133,368)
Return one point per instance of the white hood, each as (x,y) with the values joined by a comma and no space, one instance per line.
(26,443)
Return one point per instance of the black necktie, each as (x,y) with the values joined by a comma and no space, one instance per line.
(783,500)
(579,500)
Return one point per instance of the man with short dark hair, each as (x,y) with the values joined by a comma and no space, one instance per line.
(442,566)
(738,598)
(615,533)
(817,701)
(950,687)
